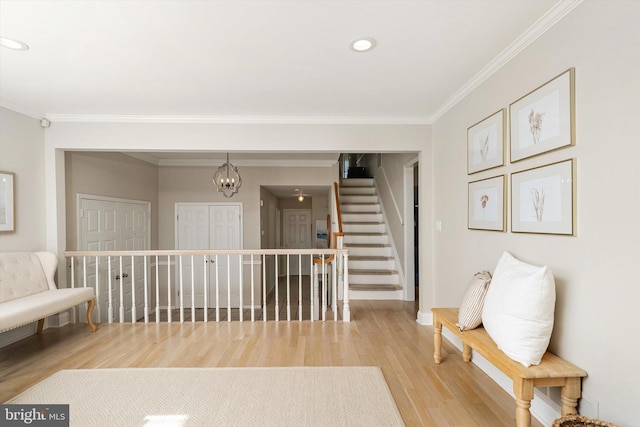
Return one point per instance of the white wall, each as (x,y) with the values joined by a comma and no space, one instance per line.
(596,276)
(22,152)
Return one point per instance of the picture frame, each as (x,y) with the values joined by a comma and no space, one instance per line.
(487,207)
(543,199)
(544,119)
(7,202)
(486,143)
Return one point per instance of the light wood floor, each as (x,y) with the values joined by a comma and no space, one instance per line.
(382,333)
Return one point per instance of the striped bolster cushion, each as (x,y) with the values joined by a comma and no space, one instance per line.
(470,314)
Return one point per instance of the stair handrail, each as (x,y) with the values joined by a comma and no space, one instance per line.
(337,200)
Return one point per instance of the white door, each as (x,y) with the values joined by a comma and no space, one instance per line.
(224,232)
(210,226)
(297,235)
(193,233)
(107,224)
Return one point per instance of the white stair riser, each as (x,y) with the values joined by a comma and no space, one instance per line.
(344,208)
(356,190)
(358,199)
(384,251)
(357,182)
(363,228)
(373,279)
(372,265)
(354,217)
(366,239)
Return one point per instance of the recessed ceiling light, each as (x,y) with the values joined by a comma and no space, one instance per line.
(13,44)
(363,44)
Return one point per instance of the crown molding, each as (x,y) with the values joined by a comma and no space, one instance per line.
(546,21)
(306,163)
(21,109)
(106,118)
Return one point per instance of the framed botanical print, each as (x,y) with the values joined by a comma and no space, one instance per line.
(485,143)
(487,204)
(544,119)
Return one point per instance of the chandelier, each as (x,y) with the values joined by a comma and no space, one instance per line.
(227,179)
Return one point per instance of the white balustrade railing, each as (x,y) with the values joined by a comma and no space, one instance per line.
(152,285)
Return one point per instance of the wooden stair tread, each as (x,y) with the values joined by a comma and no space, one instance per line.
(354,272)
(369,258)
(363,233)
(361,223)
(366,245)
(371,287)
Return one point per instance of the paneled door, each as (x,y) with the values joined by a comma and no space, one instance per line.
(210,226)
(297,235)
(108,224)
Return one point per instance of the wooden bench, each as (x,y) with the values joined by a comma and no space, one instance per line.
(551,372)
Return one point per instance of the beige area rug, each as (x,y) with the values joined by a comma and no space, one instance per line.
(297,396)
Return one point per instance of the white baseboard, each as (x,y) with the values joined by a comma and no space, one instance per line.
(542,408)
(425,318)
(376,295)
(17,334)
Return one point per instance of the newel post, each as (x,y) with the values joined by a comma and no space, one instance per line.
(346,313)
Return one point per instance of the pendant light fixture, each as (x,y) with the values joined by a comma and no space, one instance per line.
(227,179)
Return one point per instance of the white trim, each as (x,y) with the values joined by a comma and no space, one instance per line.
(425,319)
(546,21)
(409,219)
(394,251)
(541,408)
(20,109)
(393,199)
(278,163)
(106,118)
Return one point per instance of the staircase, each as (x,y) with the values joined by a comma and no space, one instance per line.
(372,266)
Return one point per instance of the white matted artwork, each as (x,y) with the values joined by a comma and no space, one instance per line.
(7,205)
(485,143)
(544,119)
(542,199)
(486,204)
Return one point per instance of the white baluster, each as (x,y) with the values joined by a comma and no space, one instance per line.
(205,287)
(253,314)
(346,313)
(157,290)
(228,288)
(169,288)
(98,295)
(217,292)
(181,291)
(288,290)
(334,288)
(324,291)
(315,307)
(121,280)
(277,313)
(313,288)
(110,291)
(264,287)
(193,291)
(134,315)
(146,292)
(240,286)
(300,287)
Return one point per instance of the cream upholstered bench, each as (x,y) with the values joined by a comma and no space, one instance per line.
(28,291)
(551,372)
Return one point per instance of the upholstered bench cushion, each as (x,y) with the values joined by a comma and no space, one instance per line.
(22,274)
(28,309)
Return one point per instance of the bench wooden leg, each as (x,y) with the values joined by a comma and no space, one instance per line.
(40,326)
(569,395)
(437,339)
(92,304)
(466,352)
(523,389)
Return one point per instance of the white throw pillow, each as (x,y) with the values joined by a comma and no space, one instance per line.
(519,309)
(470,313)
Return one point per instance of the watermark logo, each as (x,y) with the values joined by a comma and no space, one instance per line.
(34,415)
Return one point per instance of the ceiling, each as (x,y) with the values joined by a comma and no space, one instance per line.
(286,61)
